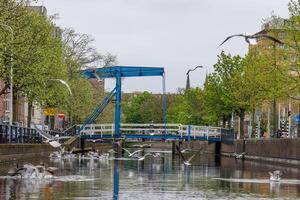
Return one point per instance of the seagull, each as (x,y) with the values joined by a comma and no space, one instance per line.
(185,150)
(131,154)
(276,175)
(94,140)
(65,83)
(112,151)
(31,171)
(143,157)
(239,156)
(142,145)
(52,140)
(255,36)
(155,154)
(185,162)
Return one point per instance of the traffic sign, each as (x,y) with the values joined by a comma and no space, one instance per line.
(61,115)
(49,111)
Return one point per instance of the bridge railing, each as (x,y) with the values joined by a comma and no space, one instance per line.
(154,129)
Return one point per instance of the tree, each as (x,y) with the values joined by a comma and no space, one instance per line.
(222,86)
(143,108)
(188,108)
(37,56)
(79,54)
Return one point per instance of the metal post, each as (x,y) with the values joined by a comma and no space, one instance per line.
(188,85)
(189,134)
(289,118)
(164,103)
(258,127)
(118,105)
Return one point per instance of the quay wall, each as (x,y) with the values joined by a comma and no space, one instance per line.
(12,152)
(283,150)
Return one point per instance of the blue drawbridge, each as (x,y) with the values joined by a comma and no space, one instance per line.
(119,72)
(164,131)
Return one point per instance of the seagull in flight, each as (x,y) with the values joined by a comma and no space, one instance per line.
(142,158)
(52,140)
(65,83)
(131,154)
(248,38)
(186,162)
(185,150)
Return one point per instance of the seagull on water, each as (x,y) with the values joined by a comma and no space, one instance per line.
(133,153)
(239,156)
(31,171)
(275,175)
(249,38)
(186,162)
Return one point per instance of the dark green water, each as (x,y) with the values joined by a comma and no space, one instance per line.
(154,178)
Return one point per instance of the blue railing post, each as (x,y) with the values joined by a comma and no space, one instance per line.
(118,105)
(189,133)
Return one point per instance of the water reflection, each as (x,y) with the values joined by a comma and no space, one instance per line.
(116,180)
(162,177)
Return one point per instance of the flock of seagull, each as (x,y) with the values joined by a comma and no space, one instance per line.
(42,171)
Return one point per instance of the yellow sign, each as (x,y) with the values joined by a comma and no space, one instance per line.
(49,111)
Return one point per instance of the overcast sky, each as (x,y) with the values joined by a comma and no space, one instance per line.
(174,34)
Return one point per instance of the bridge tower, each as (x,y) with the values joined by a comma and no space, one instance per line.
(118,72)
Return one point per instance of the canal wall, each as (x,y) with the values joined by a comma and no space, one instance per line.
(12,152)
(282,150)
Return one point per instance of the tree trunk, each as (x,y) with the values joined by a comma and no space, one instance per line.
(229,123)
(224,122)
(253,123)
(29,111)
(242,119)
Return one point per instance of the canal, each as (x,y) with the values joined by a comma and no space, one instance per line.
(164,177)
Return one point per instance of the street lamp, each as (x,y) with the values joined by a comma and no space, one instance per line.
(188,84)
(11,74)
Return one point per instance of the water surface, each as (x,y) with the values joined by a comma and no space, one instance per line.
(163,178)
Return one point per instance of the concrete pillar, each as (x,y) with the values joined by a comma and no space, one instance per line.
(82,145)
(173,147)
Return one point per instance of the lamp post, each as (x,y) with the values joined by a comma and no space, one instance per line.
(11,74)
(188,84)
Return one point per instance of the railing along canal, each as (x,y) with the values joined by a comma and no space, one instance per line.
(23,135)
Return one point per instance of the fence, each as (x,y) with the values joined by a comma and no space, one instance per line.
(22,135)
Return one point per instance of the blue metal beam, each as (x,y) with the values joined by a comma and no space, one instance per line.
(118,72)
(118,106)
(124,71)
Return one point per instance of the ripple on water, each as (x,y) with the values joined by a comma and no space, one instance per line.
(239,180)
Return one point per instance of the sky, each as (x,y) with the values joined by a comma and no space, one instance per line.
(175,34)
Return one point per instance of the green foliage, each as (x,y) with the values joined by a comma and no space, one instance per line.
(188,108)
(224,86)
(143,108)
